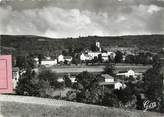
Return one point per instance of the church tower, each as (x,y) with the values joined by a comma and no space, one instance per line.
(98,45)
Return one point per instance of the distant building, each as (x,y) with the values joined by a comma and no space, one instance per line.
(85,57)
(129,73)
(60,58)
(119,85)
(16,76)
(111,83)
(94,54)
(105,56)
(73,79)
(36,59)
(48,62)
(112,55)
(60,79)
(108,78)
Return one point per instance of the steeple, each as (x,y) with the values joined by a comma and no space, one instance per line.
(98,45)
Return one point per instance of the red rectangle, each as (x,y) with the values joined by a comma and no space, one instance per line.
(5,74)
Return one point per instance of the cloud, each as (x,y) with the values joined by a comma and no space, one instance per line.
(56,21)
(153,8)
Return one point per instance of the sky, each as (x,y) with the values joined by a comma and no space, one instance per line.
(74,18)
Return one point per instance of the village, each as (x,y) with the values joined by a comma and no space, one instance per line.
(95,61)
(110,76)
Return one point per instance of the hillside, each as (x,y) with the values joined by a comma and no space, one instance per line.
(20,106)
(37,44)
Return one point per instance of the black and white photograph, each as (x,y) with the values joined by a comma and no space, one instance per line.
(81,58)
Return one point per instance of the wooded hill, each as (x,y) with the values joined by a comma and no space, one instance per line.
(36,44)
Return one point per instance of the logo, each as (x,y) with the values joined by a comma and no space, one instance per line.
(149,105)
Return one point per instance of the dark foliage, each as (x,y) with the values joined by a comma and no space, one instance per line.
(153,82)
(27,85)
(118,57)
(67,81)
(109,69)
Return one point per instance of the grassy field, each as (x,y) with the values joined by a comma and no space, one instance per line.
(78,69)
(19,106)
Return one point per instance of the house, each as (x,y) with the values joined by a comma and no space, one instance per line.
(105,56)
(73,79)
(94,54)
(48,57)
(85,57)
(118,85)
(16,76)
(68,58)
(60,79)
(36,59)
(112,55)
(111,83)
(60,58)
(48,62)
(129,73)
(108,78)
(108,82)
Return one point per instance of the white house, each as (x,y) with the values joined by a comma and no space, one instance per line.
(85,57)
(108,78)
(49,62)
(93,54)
(61,58)
(129,73)
(112,55)
(105,56)
(109,81)
(73,79)
(16,76)
(48,57)
(36,59)
(60,79)
(119,85)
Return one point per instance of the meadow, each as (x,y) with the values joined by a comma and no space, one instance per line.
(21,106)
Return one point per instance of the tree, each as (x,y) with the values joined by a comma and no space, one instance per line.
(109,69)
(25,62)
(130,59)
(38,85)
(153,82)
(76,59)
(67,81)
(110,100)
(27,85)
(100,58)
(118,57)
(94,48)
(64,53)
(90,91)
(50,77)
(85,78)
